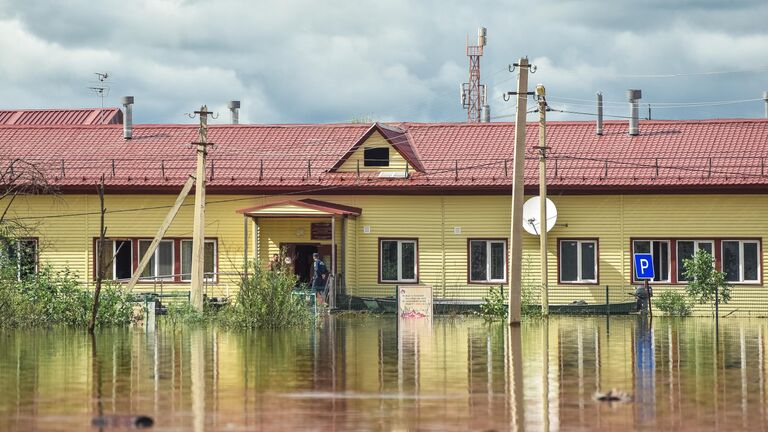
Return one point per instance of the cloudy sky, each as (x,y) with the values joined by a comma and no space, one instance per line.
(303,61)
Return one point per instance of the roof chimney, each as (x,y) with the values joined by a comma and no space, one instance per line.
(634,111)
(485,110)
(128,117)
(765,100)
(599,127)
(234,108)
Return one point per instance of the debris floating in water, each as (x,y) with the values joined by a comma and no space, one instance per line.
(613,395)
(123,421)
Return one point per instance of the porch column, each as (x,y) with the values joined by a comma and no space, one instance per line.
(245,246)
(343,278)
(332,296)
(256,238)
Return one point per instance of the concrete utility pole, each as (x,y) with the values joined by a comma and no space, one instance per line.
(765,101)
(198,230)
(540,96)
(516,266)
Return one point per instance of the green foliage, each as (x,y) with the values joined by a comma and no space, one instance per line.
(57,298)
(267,300)
(185,313)
(673,303)
(493,304)
(704,281)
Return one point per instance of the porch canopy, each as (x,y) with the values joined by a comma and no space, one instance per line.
(306,207)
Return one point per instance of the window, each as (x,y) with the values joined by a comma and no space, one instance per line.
(22,254)
(740,260)
(209,265)
(659,249)
(487,260)
(686,249)
(118,259)
(578,261)
(160,266)
(397,260)
(376,156)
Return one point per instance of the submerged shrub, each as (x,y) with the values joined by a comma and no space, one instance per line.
(267,300)
(494,306)
(57,298)
(673,303)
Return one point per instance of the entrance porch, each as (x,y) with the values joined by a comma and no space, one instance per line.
(294,230)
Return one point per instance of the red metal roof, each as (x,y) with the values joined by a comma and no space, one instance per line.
(668,156)
(61,116)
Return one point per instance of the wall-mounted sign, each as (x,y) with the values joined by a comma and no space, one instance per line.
(321,231)
(414,301)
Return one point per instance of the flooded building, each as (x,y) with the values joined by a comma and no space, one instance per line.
(403,203)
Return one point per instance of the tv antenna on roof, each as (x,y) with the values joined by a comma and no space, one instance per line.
(100,87)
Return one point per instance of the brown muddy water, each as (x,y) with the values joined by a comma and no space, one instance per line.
(370,373)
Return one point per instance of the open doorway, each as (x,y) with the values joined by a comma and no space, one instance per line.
(301,259)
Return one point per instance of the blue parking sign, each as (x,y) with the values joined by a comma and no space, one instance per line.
(644,266)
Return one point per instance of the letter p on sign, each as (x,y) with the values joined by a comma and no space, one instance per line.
(644,266)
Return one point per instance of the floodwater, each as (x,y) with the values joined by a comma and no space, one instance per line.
(370,373)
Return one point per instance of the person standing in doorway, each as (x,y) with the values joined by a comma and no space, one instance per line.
(319,278)
(275,264)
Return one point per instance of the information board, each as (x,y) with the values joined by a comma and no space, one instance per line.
(414,301)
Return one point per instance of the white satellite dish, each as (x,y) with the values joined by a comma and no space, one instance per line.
(531,213)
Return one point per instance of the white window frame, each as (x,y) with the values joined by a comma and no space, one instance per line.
(741,261)
(679,271)
(188,277)
(579,278)
(488,243)
(114,241)
(156,257)
(18,254)
(669,259)
(400,278)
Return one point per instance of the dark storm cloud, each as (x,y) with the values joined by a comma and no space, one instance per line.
(308,61)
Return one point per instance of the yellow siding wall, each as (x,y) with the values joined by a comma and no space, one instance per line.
(613,219)
(396,161)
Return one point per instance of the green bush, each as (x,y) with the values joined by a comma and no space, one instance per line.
(493,305)
(266,299)
(673,303)
(57,298)
(705,283)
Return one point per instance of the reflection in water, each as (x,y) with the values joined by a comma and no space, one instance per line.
(376,373)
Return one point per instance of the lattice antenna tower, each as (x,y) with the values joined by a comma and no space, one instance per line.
(101,87)
(472,92)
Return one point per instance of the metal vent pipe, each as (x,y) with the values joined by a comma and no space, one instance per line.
(765,100)
(128,117)
(634,111)
(234,111)
(599,126)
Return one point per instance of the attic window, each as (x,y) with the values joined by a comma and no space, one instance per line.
(376,157)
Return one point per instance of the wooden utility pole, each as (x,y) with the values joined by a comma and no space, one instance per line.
(100,252)
(198,230)
(540,96)
(516,266)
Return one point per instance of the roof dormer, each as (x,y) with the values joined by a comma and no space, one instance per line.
(382,149)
